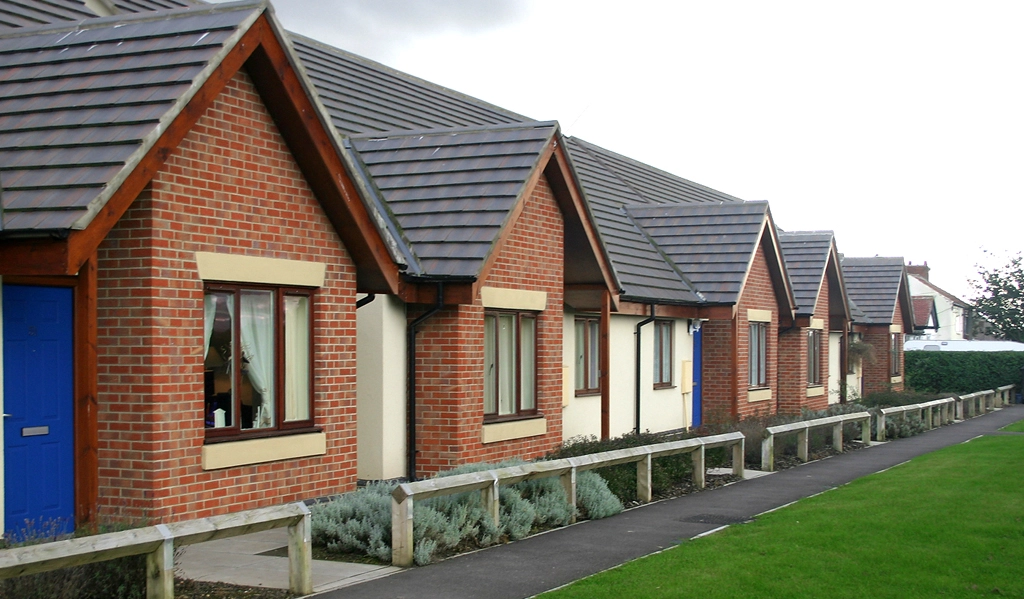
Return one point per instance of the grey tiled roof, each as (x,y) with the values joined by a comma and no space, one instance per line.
(642,271)
(32,13)
(712,244)
(363,96)
(806,254)
(649,184)
(873,284)
(451,191)
(80,106)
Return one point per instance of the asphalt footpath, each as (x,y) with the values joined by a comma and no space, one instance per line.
(550,560)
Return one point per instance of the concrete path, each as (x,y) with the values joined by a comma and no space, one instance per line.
(556,558)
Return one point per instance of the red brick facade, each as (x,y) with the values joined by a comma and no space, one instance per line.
(793,348)
(878,375)
(232,186)
(450,352)
(725,381)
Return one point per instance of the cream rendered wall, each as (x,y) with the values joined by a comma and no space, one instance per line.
(580,415)
(660,409)
(835,340)
(380,389)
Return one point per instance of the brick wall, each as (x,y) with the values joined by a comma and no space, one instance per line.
(231,187)
(449,348)
(725,379)
(877,376)
(793,348)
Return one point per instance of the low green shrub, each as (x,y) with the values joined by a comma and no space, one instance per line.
(360,522)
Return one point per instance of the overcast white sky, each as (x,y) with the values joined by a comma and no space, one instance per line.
(899,125)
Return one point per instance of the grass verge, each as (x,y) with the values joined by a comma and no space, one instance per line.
(1016,427)
(947,524)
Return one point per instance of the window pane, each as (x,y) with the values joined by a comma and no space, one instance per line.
(296,357)
(490,365)
(581,352)
(506,364)
(257,327)
(757,363)
(527,365)
(218,326)
(593,354)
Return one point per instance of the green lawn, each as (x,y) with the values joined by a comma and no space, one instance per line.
(947,524)
(1016,427)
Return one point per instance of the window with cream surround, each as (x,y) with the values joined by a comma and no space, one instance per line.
(894,354)
(663,353)
(758,355)
(588,335)
(258,346)
(510,364)
(813,357)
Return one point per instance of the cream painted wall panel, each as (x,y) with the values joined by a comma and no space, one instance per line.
(380,389)
(621,409)
(835,340)
(255,269)
(580,415)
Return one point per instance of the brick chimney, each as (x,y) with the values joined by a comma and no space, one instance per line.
(920,270)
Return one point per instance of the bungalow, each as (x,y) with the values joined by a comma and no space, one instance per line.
(883,315)
(811,353)
(180,254)
(731,254)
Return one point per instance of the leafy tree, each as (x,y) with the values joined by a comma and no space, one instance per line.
(1000,298)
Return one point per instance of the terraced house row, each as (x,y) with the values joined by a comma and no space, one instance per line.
(241,268)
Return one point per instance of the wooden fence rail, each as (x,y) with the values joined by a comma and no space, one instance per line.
(926,411)
(488,482)
(157,544)
(1005,395)
(804,427)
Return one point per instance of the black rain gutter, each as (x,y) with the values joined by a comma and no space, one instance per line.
(410,383)
(369,298)
(636,427)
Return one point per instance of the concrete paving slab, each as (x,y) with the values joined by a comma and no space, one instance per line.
(237,561)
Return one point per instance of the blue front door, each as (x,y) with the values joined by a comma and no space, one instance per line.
(698,373)
(39,468)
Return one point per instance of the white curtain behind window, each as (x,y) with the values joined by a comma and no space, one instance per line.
(209,314)
(257,324)
(296,358)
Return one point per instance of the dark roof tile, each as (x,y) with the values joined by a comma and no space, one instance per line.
(806,254)
(873,284)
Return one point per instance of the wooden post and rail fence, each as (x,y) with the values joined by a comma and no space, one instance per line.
(157,543)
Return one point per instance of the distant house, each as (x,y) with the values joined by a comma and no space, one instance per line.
(181,250)
(812,353)
(926,318)
(882,315)
(951,314)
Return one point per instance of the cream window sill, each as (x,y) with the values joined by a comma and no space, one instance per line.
(258,451)
(816,391)
(896,379)
(513,429)
(759,395)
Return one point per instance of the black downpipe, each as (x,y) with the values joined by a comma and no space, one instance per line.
(410,383)
(636,427)
(362,302)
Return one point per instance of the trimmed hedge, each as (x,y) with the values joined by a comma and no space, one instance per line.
(962,372)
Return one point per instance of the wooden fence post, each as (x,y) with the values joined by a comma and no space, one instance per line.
(768,453)
(739,457)
(837,437)
(568,481)
(803,445)
(644,492)
(698,466)
(401,532)
(160,568)
(300,555)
